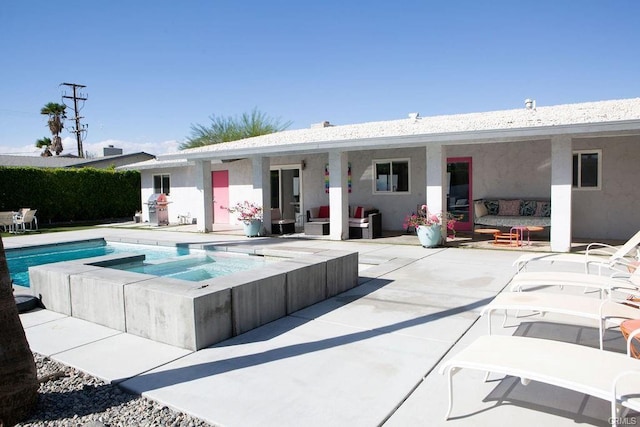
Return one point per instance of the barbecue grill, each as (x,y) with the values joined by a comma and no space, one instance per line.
(158,209)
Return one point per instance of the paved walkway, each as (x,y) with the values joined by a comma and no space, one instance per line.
(367,357)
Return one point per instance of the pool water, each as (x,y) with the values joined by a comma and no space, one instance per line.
(197,267)
(19,260)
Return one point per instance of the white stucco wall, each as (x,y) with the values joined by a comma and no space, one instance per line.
(183,194)
(614,211)
(510,170)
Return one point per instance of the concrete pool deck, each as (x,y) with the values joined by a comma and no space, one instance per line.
(365,357)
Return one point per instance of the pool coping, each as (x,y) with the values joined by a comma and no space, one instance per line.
(193,315)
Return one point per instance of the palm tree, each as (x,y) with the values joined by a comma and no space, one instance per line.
(57,114)
(225,129)
(46,143)
(18,374)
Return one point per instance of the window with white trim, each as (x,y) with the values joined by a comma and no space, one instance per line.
(587,169)
(391,176)
(161,184)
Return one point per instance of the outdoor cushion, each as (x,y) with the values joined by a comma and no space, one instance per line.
(323,212)
(480,209)
(543,209)
(509,207)
(358,220)
(528,207)
(492,206)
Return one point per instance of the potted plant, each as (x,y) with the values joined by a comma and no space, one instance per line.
(428,226)
(250,214)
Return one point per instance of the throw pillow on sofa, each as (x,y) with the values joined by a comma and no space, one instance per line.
(543,209)
(323,212)
(528,207)
(480,209)
(492,206)
(509,207)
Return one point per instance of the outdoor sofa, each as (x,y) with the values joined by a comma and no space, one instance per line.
(364,222)
(496,212)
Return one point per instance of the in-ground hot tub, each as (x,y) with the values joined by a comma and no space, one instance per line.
(187,314)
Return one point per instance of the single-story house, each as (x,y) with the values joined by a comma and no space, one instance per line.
(578,159)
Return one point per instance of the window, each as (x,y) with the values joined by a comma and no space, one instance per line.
(161,184)
(391,176)
(587,169)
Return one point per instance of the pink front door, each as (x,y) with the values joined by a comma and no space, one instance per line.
(220,190)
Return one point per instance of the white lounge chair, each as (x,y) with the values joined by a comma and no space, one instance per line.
(602,374)
(600,255)
(604,284)
(606,312)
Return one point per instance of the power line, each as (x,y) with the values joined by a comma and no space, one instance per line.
(79,130)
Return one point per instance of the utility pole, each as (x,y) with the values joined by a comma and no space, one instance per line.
(79,130)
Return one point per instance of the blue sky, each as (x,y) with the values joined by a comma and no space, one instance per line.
(154,68)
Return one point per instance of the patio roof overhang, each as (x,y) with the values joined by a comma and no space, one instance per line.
(231,150)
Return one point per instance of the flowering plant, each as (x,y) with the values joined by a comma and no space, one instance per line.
(246,211)
(426,218)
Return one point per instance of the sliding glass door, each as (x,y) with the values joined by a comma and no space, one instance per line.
(459,194)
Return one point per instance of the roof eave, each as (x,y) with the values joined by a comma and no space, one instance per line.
(622,127)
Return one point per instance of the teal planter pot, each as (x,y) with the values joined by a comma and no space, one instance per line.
(252,228)
(429,236)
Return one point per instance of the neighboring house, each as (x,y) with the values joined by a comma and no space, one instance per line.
(582,157)
(107,161)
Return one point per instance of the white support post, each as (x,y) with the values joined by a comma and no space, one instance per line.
(262,188)
(561,182)
(338,196)
(204,211)
(436,181)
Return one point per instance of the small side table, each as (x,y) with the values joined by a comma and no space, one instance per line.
(492,231)
(507,239)
(627,327)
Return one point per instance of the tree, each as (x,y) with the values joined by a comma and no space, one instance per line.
(18,374)
(225,129)
(46,143)
(57,114)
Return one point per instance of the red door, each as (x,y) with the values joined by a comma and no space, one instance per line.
(220,189)
(459,192)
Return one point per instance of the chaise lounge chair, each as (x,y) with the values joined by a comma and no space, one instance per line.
(602,374)
(604,284)
(600,255)
(606,312)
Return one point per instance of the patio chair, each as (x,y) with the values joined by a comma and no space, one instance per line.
(600,255)
(607,311)
(602,374)
(6,221)
(27,218)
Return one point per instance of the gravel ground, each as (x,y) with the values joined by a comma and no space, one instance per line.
(68,397)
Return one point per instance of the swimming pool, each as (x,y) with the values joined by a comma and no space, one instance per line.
(19,260)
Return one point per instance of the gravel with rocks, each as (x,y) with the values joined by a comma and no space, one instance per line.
(68,397)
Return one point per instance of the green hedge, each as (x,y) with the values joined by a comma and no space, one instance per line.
(64,195)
